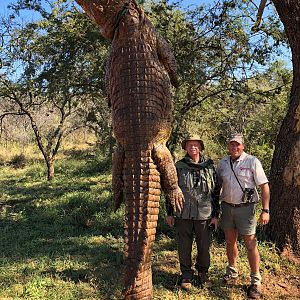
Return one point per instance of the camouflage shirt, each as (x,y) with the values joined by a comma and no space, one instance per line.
(197,182)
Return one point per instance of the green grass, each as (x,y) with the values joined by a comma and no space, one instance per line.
(61,240)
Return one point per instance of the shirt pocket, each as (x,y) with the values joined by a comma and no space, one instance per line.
(203,182)
(223,172)
(246,176)
(185,181)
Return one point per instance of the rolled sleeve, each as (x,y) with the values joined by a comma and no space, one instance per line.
(259,174)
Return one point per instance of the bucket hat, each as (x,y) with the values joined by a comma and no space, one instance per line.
(192,137)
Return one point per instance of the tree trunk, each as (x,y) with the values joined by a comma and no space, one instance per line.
(50,168)
(284,226)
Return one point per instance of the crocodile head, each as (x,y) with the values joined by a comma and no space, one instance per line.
(105,13)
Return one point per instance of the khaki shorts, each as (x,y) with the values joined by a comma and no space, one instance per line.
(241,218)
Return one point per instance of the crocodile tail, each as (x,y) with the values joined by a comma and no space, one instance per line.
(142,195)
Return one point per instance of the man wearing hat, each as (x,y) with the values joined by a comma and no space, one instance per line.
(196,177)
(238,175)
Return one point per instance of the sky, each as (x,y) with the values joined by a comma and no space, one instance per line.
(30,15)
(4,3)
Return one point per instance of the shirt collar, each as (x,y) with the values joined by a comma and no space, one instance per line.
(243,155)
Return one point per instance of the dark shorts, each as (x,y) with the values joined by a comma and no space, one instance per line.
(241,218)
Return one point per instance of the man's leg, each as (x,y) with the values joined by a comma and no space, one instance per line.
(248,233)
(254,290)
(231,246)
(185,241)
(231,236)
(228,225)
(252,252)
(203,241)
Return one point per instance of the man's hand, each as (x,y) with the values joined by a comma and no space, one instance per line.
(213,223)
(264,218)
(170,221)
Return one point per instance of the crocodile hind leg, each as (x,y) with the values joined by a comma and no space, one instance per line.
(117,180)
(163,159)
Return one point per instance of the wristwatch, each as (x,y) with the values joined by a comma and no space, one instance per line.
(265,210)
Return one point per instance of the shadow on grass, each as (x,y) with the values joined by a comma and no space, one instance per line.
(24,195)
(72,253)
(33,228)
(169,281)
(86,165)
(71,274)
(39,218)
(90,168)
(103,270)
(79,153)
(100,272)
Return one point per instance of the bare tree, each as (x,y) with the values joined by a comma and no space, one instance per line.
(50,121)
(51,74)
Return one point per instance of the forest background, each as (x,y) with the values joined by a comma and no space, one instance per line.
(59,233)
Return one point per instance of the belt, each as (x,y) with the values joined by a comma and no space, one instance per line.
(237,205)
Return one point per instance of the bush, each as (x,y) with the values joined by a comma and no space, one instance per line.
(2,161)
(18,161)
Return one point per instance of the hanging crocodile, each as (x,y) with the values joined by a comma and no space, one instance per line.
(139,72)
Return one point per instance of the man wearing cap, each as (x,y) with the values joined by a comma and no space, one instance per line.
(196,177)
(238,175)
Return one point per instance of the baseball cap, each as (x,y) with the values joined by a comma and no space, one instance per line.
(236,137)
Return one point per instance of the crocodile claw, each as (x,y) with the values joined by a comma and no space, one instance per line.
(176,199)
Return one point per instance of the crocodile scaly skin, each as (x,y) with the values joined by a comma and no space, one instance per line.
(140,69)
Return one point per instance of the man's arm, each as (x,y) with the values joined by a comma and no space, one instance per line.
(215,203)
(265,194)
(216,194)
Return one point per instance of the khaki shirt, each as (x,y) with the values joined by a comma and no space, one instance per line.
(249,172)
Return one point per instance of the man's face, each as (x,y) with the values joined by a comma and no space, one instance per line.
(193,148)
(235,149)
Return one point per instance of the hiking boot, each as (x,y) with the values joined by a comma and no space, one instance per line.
(186,284)
(229,279)
(254,291)
(203,279)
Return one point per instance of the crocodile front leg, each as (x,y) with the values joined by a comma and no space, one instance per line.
(163,159)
